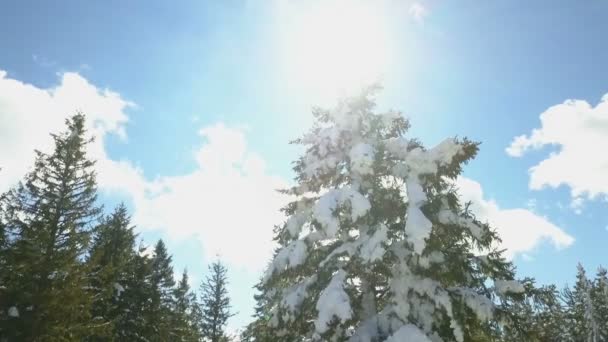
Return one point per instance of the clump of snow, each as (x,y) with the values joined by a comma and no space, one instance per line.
(481,305)
(508,286)
(13,312)
(418,162)
(366,331)
(290,256)
(344,117)
(370,246)
(359,204)
(322,159)
(294,296)
(388,118)
(119,289)
(419,297)
(333,302)
(325,157)
(372,249)
(445,152)
(417,226)
(274,317)
(397,146)
(347,248)
(296,221)
(423,162)
(457,330)
(324,212)
(362,159)
(325,208)
(446,216)
(434,257)
(410,333)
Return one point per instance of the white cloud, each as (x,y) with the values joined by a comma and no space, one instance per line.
(29,113)
(418,11)
(520,229)
(580,132)
(229,202)
(43,62)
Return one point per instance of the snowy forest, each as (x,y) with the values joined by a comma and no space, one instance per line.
(376,246)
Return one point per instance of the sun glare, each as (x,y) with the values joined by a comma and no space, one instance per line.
(335,46)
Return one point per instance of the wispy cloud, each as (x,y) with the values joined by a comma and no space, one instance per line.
(418,11)
(43,62)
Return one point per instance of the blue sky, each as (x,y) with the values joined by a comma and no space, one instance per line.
(208,93)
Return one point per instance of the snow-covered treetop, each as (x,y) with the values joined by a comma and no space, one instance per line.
(376,243)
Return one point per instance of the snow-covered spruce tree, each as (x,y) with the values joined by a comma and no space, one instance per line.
(257,330)
(377,246)
(580,309)
(540,317)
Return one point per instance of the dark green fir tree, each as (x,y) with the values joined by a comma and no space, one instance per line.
(185,327)
(110,261)
(215,303)
(162,285)
(50,215)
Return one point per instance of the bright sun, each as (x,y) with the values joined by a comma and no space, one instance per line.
(334,46)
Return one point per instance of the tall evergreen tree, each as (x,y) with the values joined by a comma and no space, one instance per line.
(134,324)
(215,303)
(580,310)
(111,255)
(5,268)
(377,246)
(162,283)
(185,326)
(50,215)
(3,234)
(540,317)
(599,298)
(257,330)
